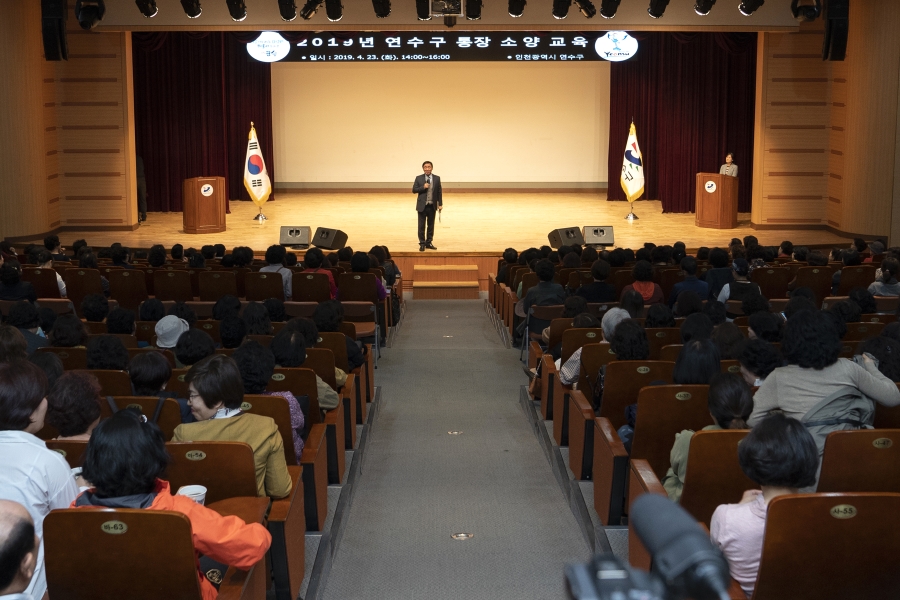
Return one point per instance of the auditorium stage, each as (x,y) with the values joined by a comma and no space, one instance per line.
(471,222)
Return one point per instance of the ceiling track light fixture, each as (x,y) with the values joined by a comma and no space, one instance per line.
(237,9)
(702,7)
(561,8)
(191,8)
(806,10)
(748,7)
(423,10)
(517,8)
(473,10)
(309,9)
(657,8)
(587,8)
(287,9)
(89,13)
(608,8)
(148,8)
(382,8)
(334,10)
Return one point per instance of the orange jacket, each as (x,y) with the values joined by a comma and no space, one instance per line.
(226,539)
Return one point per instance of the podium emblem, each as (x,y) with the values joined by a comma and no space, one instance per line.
(206,189)
(710,187)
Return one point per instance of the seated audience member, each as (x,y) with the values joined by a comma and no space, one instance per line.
(633,303)
(697,362)
(643,284)
(312,263)
(120,321)
(13,346)
(168,330)
(765,326)
(758,359)
(390,271)
(690,281)
(817,385)
(290,260)
(816,259)
(289,349)
(730,402)
(886,351)
(51,243)
(780,455)
(12,287)
(797,304)
(50,364)
(257,364)
(800,253)
(48,319)
(152,310)
(875,248)
(629,341)
(95,307)
(225,306)
(719,273)
(753,304)
(19,549)
(120,256)
(275,255)
(571,261)
(865,300)
(73,405)
(37,478)
(177,253)
(598,290)
(785,250)
(887,284)
(150,372)
(696,326)
(328,317)
(740,287)
(196,260)
(716,312)
(193,346)
(24,316)
(659,315)
(256,316)
(216,394)
(360,264)
(688,303)
(275,308)
(106,352)
(848,258)
(568,372)
(68,332)
(729,339)
(232,331)
(45,261)
(156,258)
(183,311)
(574,305)
(125,460)
(847,311)
(87,260)
(545,292)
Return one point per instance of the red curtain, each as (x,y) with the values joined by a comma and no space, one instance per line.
(195,95)
(692,98)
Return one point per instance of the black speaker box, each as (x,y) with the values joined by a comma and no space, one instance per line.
(329,239)
(598,235)
(53,28)
(565,237)
(296,235)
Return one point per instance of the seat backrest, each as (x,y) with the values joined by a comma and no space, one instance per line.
(670,352)
(177,383)
(225,469)
(864,460)
(169,415)
(215,284)
(887,417)
(641,480)
(310,287)
(300,382)
(854,277)
(557,327)
(265,340)
(172,285)
(548,312)
(621,279)
(61,306)
(887,304)
(277,409)
(210,326)
(129,287)
(132,352)
(610,472)
(662,412)
(80,283)
(357,311)
(529,280)
(668,278)
(321,360)
(624,379)
(593,357)
(861,331)
(300,309)
(657,337)
(357,287)
(95,327)
(802,533)
(71,450)
(818,279)
(146,554)
(574,338)
(72,358)
(714,475)
(112,383)
(43,280)
(262,286)
(731,365)
(335,341)
(772,281)
(144,331)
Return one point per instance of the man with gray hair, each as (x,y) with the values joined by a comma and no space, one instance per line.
(18,550)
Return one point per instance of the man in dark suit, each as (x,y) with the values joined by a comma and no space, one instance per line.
(690,282)
(429,200)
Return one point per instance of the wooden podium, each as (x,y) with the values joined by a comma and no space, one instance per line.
(204,204)
(717,201)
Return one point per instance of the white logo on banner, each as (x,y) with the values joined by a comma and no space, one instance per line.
(269,47)
(616,46)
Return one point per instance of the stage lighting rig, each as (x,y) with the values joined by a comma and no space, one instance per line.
(517,8)
(702,7)
(473,10)
(587,8)
(309,9)
(806,10)
(89,13)
(657,8)
(334,10)
(608,8)
(147,7)
(237,9)
(382,8)
(287,9)
(748,7)
(561,8)
(191,8)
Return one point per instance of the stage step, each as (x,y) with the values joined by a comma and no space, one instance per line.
(465,273)
(445,290)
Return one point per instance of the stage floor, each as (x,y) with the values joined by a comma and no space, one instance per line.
(471,222)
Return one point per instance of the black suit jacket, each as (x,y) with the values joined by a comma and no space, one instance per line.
(419,188)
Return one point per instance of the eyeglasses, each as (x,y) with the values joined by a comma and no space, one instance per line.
(193,395)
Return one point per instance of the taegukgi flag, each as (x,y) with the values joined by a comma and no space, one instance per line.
(632,168)
(256,177)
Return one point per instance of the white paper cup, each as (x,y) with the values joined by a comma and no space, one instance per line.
(197,493)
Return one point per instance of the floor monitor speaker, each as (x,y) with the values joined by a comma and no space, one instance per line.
(329,239)
(295,236)
(598,235)
(565,237)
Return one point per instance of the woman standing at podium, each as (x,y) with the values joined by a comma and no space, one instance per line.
(729,168)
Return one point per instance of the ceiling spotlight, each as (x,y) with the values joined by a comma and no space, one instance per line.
(334,10)
(89,13)
(237,9)
(748,7)
(191,8)
(473,10)
(561,8)
(287,9)
(517,8)
(382,8)
(423,11)
(806,10)
(587,8)
(702,7)
(309,9)
(657,8)
(147,7)
(608,8)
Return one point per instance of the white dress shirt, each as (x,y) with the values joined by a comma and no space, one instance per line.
(40,480)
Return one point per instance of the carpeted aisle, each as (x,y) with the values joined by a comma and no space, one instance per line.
(447,371)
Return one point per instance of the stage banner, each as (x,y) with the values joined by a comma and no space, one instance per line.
(632,178)
(256,177)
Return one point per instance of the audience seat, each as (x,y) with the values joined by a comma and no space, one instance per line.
(550,386)
(610,470)
(670,352)
(262,286)
(668,278)
(71,450)
(128,287)
(172,285)
(593,357)
(81,283)
(557,327)
(300,309)
(574,338)
(321,360)
(43,280)
(112,383)
(772,281)
(641,481)
(95,327)
(734,366)
(861,331)
(211,327)
(310,287)
(132,352)
(854,277)
(336,342)
(169,415)
(177,384)
(581,435)
(225,469)
(657,337)
(624,379)
(62,306)
(864,460)
(263,339)
(72,358)
(714,475)
(215,284)
(621,279)
(887,304)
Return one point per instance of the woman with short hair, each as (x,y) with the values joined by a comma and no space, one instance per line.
(74,405)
